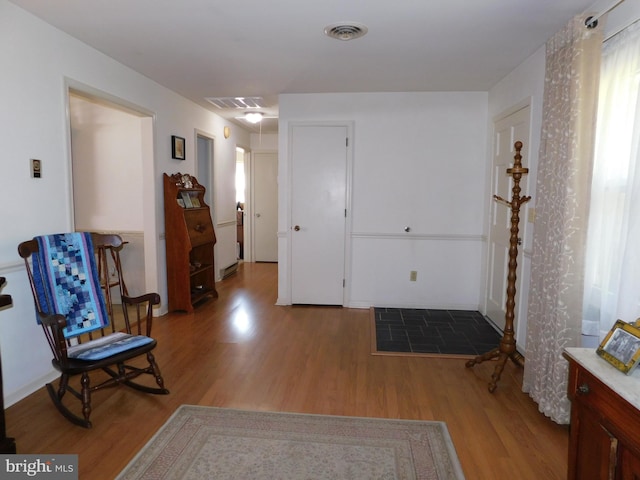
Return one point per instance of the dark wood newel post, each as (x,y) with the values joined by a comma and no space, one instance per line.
(7,445)
(507,347)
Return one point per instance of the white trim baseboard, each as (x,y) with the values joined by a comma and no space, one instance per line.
(31,387)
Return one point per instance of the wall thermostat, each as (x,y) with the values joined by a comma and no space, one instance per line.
(36,168)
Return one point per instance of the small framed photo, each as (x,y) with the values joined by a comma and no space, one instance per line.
(177,147)
(621,346)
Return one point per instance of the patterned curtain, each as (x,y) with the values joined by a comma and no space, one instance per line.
(554,318)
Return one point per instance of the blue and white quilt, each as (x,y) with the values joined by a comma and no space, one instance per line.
(67,283)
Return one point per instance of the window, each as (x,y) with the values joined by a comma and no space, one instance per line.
(612,274)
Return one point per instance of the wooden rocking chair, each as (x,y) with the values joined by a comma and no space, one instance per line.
(71,309)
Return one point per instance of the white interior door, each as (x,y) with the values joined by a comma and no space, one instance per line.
(318,213)
(265,207)
(507,131)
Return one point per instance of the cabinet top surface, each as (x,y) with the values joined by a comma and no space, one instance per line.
(627,386)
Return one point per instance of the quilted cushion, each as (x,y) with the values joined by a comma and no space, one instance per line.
(107,346)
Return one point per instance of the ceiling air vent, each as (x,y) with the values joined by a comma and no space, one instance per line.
(236,102)
(345,31)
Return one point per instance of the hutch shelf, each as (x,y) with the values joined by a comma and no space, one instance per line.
(190,240)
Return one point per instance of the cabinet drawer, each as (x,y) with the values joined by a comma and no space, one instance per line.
(616,414)
(199,226)
(591,392)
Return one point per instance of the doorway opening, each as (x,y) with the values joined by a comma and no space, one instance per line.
(111,146)
(241,186)
(204,154)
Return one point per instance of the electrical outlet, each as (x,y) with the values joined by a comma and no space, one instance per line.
(413,276)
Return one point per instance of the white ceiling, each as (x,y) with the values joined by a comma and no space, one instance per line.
(254,48)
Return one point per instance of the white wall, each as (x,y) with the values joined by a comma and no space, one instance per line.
(419,161)
(44,62)
(107,167)
(265,142)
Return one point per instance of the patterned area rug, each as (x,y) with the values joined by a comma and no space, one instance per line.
(218,443)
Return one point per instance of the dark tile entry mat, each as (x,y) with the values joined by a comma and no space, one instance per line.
(407,331)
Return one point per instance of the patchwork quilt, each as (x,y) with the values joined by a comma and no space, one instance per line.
(67,283)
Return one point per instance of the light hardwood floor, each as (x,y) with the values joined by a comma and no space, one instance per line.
(242,351)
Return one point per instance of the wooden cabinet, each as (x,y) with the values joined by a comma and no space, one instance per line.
(190,240)
(604,440)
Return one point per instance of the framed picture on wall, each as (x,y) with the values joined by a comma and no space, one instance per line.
(177,147)
(621,347)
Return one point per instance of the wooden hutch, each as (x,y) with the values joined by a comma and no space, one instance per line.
(190,240)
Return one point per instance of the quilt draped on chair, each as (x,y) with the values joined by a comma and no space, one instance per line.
(67,283)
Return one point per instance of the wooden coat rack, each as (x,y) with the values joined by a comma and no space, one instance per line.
(507,348)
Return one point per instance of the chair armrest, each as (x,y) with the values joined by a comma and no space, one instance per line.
(53,321)
(53,325)
(153,298)
(144,310)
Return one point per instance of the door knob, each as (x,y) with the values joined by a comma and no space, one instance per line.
(297,228)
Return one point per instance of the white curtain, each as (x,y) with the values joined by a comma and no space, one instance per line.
(612,274)
(554,317)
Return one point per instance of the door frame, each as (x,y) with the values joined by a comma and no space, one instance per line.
(148,120)
(251,185)
(525,230)
(349,125)
(247,224)
(209,178)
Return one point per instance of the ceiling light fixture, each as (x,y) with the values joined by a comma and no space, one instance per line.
(253,117)
(345,31)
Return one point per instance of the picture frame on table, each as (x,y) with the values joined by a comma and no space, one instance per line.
(177,147)
(621,347)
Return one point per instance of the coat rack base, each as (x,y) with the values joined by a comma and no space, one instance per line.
(501,358)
